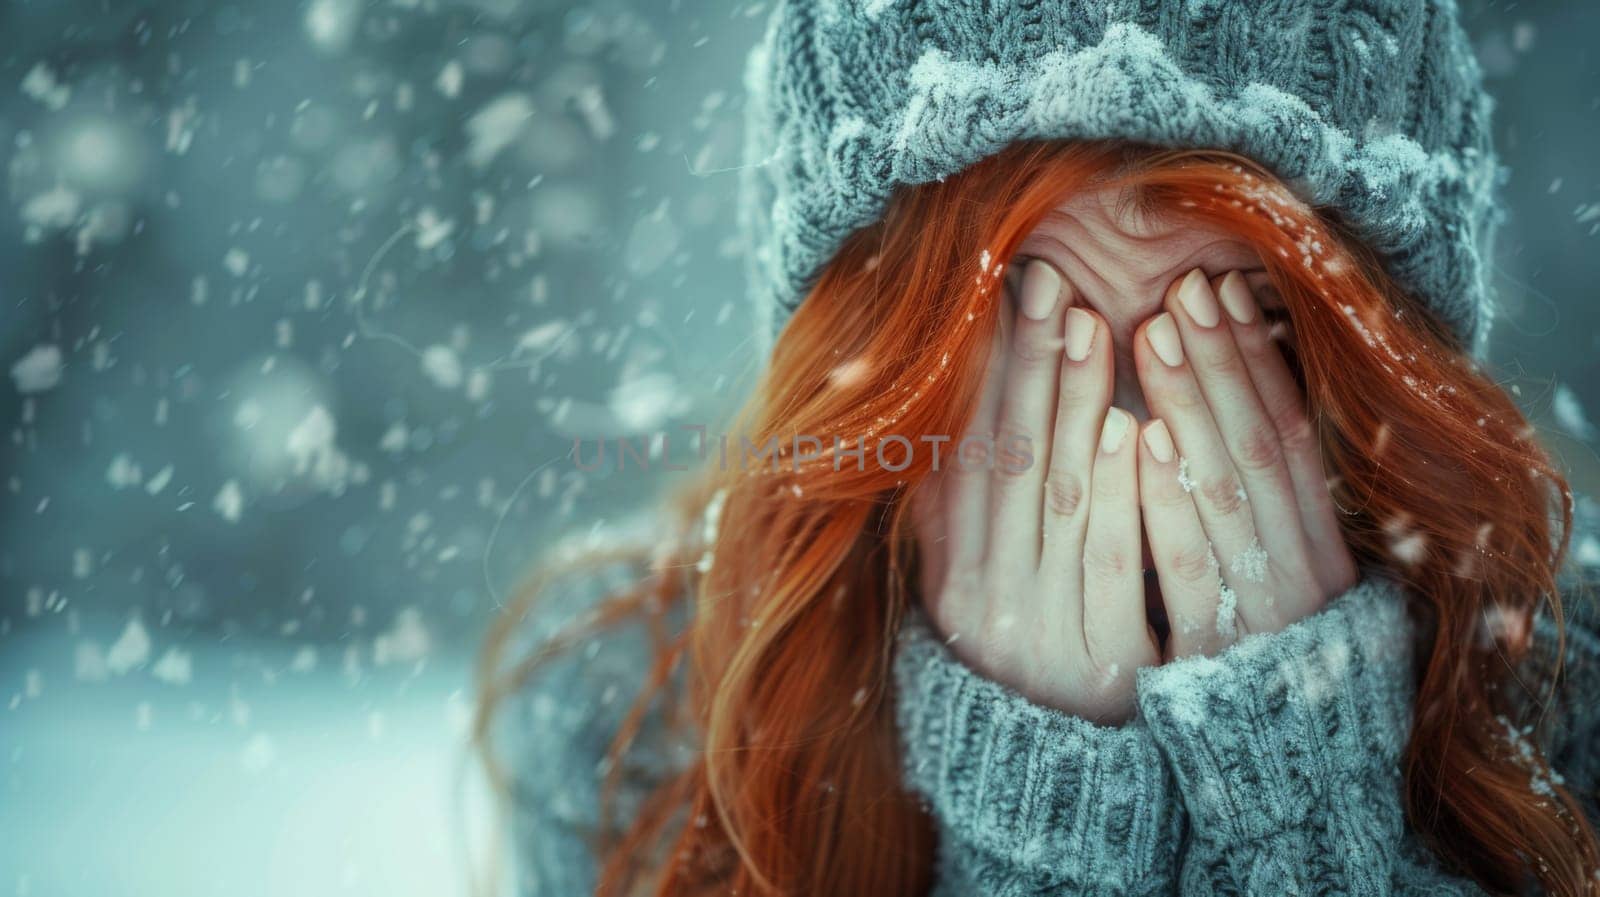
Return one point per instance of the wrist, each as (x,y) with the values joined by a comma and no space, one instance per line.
(1055,796)
(1265,735)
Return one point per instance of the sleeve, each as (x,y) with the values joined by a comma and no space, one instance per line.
(1026,799)
(1573,714)
(1570,722)
(1286,753)
(554,732)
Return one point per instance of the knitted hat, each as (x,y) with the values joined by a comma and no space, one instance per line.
(1373,107)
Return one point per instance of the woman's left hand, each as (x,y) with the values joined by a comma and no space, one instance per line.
(1236,506)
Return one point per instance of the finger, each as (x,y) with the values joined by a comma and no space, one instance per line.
(1204,467)
(1249,437)
(1027,414)
(1116,632)
(1284,404)
(930,524)
(1191,584)
(1082,399)
(963,488)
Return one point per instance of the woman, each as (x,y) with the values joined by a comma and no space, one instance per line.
(1237,575)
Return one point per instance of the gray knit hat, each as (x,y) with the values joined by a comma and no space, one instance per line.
(1373,107)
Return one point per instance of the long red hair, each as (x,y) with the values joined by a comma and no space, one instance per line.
(796,789)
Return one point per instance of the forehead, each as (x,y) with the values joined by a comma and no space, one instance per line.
(1102,234)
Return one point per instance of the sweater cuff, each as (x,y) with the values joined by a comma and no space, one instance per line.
(1061,800)
(1281,728)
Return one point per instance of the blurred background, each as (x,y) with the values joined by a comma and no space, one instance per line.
(301,305)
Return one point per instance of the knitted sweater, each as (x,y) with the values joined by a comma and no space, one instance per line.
(1271,768)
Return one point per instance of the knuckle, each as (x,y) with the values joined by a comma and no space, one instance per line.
(1193,564)
(1011,427)
(1295,433)
(1184,397)
(1164,493)
(1002,459)
(1223,493)
(1227,364)
(1085,388)
(1033,348)
(1007,473)
(1257,447)
(1064,493)
(1106,562)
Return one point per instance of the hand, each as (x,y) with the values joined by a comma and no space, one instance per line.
(1032,571)
(1241,525)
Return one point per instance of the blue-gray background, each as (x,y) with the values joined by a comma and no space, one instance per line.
(300,307)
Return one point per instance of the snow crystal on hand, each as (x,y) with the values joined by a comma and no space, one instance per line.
(1227,608)
(1183,475)
(1251,563)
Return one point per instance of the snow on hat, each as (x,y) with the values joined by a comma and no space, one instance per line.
(1373,107)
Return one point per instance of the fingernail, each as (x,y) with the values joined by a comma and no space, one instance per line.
(1112,431)
(1080,333)
(1159,441)
(1162,335)
(1040,287)
(1236,298)
(1195,294)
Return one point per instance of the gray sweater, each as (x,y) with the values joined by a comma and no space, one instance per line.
(1271,768)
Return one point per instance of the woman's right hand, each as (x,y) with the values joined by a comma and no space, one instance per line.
(1025,588)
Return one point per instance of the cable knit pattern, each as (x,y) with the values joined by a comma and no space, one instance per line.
(1572,727)
(1374,108)
(1029,800)
(1570,720)
(555,733)
(1286,750)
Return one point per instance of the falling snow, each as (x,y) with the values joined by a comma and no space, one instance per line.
(307,303)
(441,365)
(1409,548)
(176,667)
(229,503)
(39,370)
(40,84)
(130,650)
(1570,415)
(496,126)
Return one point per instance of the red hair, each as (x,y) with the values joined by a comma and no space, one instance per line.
(797,787)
